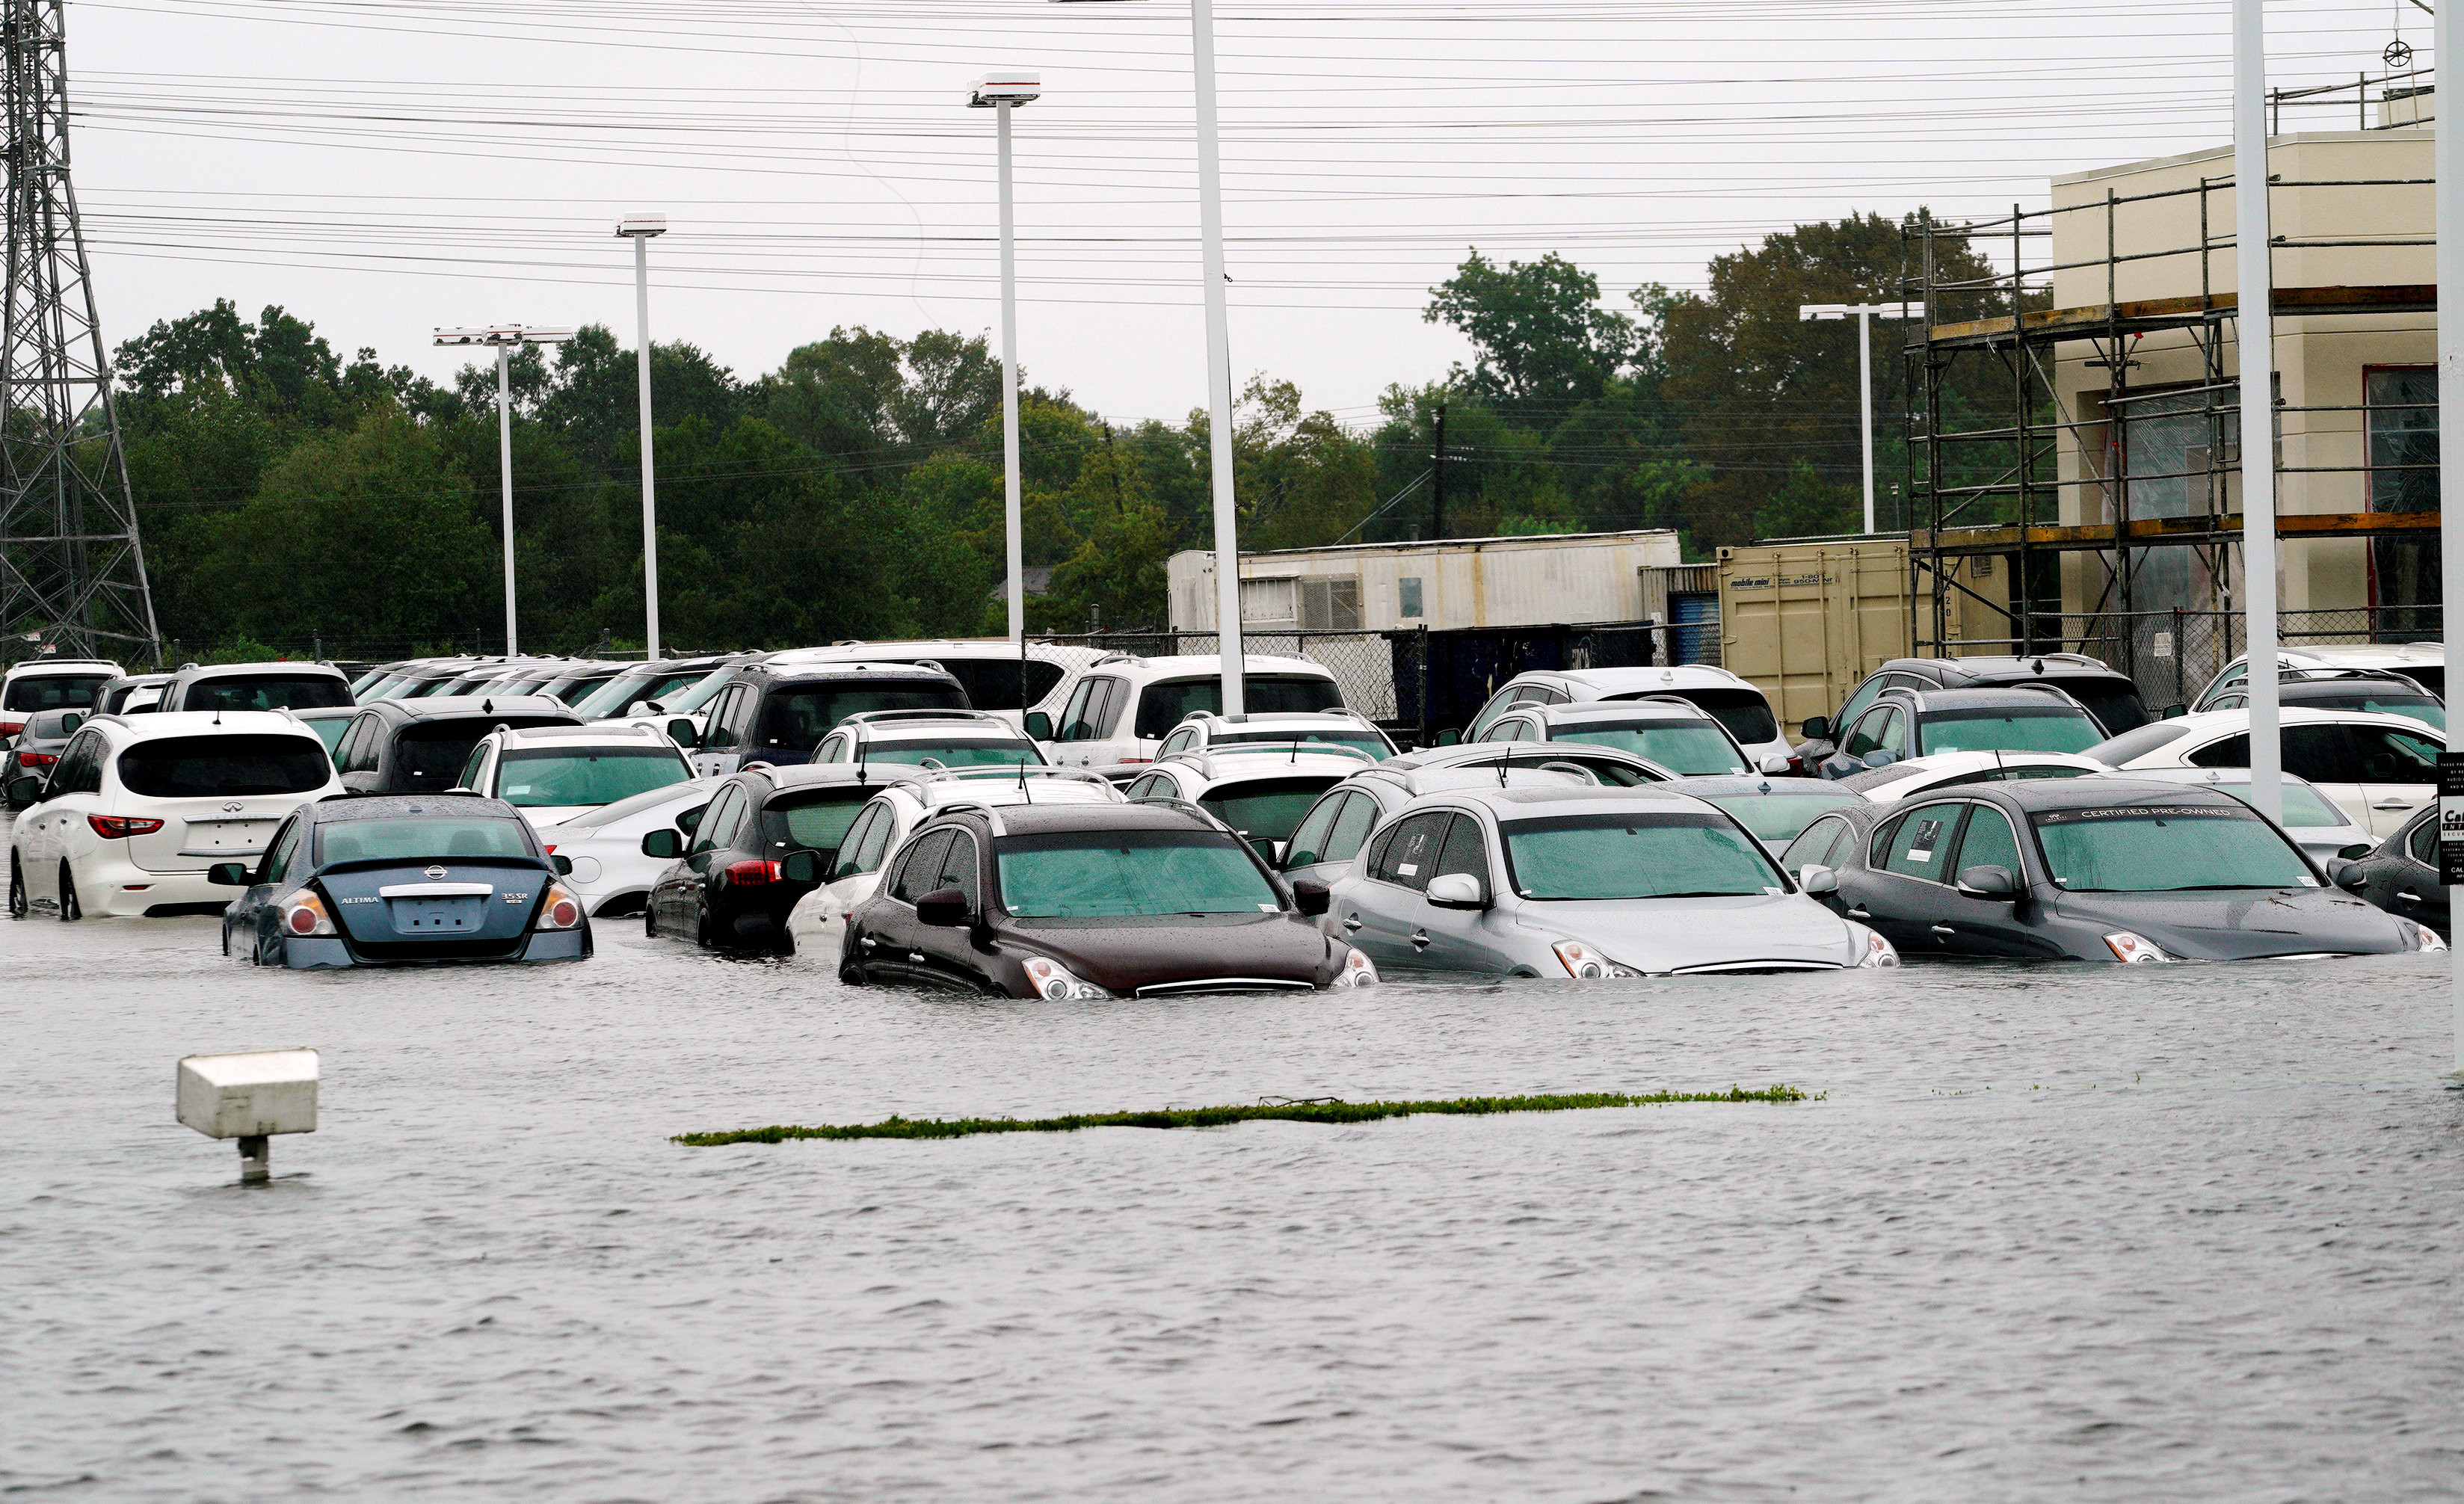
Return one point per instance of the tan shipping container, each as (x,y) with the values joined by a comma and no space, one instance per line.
(1805,621)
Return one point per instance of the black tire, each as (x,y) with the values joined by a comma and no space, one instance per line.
(18,906)
(70,911)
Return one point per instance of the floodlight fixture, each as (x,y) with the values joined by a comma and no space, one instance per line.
(1864,314)
(505,339)
(1008,87)
(641,228)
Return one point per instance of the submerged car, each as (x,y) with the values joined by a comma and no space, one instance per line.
(357,880)
(611,874)
(731,883)
(2318,825)
(2030,716)
(1574,881)
(2401,875)
(553,773)
(37,750)
(1674,734)
(1085,902)
(1259,790)
(2091,869)
(1775,808)
(1914,776)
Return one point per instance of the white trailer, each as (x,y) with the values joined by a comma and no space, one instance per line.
(1467,582)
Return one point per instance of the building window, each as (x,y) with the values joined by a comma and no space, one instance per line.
(1268,603)
(1407,597)
(2405,579)
(1330,605)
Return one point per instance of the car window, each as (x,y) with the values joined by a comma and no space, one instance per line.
(1465,851)
(266,692)
(1263,808)
(1743,712)
(218,767)
(2424,842)
(2321,754)
(720,730)
(1161,706)
(359,746)
(833,750)
(284,847)
(850,857)
(1488,713)
(957,868)
(811,820)
(1410,858)
(1073,717)
(1866,733)
(1155,785)
(472,770)
(422,839)
(920,866)
(1862,697)
(719,824)
(1919,843)
(1894,736)
(1179,742)
(1813,846)
(1105,706)
(2131,744)
(2008,728)
(1309,837)
(1988,842)
(2394,757)
(1351,827)
(1513,728)
(795,718)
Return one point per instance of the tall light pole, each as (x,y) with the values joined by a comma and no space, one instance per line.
(1001,92)
(1218,353)
(639,229)
(505,337)
(2448,222)
(1864,313)
(2254,350)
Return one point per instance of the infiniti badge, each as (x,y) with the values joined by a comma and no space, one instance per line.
(234,807)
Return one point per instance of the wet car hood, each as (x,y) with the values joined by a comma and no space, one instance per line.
(1676,934)
(1126,953)
(2238,923)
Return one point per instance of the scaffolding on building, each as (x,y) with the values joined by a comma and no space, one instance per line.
(1976,493)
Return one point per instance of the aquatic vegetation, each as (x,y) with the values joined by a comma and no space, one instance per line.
(1322,1110)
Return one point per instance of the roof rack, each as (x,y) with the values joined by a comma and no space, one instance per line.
(992,816)
(876,718)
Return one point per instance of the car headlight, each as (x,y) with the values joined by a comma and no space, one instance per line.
(1358,971)
(1582,961)
(1053,979)
(303,914)
(2133,948)
(2426,939)
(559,910)
(1877,952)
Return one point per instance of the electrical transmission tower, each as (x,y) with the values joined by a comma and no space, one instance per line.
(72,573)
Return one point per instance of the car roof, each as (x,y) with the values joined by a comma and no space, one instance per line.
(940,791)
(398,807)
(893,725)
(1649,707)
(1527,800)
(154,726)
(1126,815)
(2371,655)
(622,733)
(225,671)
(1982,697)
(1269,760)
(454,707)
(1477,753)
(321,712)
(2055,665)
(813,775)
(1727,784)
(33,668)
(2289,715)
(2092,793)
(1207,665)
(2205,776)
(2391,683)
(823,671)
(1628,679)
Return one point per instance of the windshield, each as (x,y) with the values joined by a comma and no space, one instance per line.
(647,682)
(2009,728)
(56,690)
(1691,748)
(1265,808)
(957,752)
(2160,848)
(1779,817)
(1635,855)
(1743,712)
(433,752)
(425,839)
(217,767)
(1163,706)
(2420,707)
(818,821)
(528,778)
(797,716)
(1130,874)
(266,692)
(1368,742)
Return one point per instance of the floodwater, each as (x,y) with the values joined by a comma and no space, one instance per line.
(2074,1233)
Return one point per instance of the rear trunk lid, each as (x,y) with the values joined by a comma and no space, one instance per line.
(466,905)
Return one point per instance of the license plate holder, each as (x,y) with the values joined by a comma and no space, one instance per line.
(437,915)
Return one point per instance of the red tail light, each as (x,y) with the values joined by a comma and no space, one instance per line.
(9,728)
(38,759)
(114,827)
(752,873)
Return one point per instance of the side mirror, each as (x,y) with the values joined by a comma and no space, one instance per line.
(943,909)
(2357,851)
(665,845)
(2173,711)
(2345,873)
(1988,882)
(801,867)
(71,722)
(1451,737)
(1818,879)
(563,865)
(1039,726)
(1774,763)
(1456,890)
(681,732)
(26,789)
(1878,757)
(1312,898)
(1265,848)
(1817,728)
(228,874)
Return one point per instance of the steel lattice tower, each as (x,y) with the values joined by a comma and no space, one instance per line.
(70,566)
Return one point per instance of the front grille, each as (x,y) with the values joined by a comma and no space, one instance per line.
(1226,984)
(437,949)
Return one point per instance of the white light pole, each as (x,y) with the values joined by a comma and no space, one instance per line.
(1001,92)
(1864,313)
(505,337)
(2448,168)
(639,229)
(1219,354)
(2255,348)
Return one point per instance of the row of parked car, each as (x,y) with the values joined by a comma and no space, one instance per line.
(1595,821)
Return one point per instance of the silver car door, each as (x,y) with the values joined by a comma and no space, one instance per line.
(1465,940)
(1382,911)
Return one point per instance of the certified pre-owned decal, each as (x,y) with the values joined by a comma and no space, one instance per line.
(2158,812)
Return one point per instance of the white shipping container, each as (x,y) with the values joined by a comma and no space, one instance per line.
(1470,582)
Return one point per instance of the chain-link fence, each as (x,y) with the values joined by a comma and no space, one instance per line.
(2174,655)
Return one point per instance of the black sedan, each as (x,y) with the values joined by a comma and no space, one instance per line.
(2090,869)
(728,884)
(2401,874)
(356,881)
(36,750)
(1080,902)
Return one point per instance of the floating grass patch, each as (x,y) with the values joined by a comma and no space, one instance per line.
(1327,1110)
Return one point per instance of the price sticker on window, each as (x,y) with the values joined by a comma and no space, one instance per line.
(2451,818)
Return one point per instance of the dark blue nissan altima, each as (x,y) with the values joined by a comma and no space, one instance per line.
(356,880)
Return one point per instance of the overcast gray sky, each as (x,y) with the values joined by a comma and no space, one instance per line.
(382,166)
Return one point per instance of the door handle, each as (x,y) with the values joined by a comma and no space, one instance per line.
(1419,940)
(2392,804)
(1944,929)
(2408,896)
(867,941)
(1858,914)
(1352,921)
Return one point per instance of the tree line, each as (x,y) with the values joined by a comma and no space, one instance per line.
(291,498)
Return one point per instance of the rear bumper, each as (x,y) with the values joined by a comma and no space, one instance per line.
(126,891)
(321,952)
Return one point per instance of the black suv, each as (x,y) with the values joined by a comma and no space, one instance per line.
(418,746)
(730,884)
(778,713)
(2111,697)
(1902,724)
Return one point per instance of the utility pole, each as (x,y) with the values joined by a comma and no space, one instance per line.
(72,569)
(1437,480)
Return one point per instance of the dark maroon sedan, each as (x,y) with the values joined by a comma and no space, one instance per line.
(1085,902)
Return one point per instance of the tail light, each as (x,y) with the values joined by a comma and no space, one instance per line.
(9,728)
(115,828)
(753,873)
(38,759)
(305,913)
(561,910)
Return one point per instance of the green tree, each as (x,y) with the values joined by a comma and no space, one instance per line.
(1544,343)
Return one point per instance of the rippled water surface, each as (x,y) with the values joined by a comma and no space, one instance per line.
(2075,1232)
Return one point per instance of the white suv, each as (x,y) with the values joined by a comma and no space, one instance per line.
(884,823)
(950,738)
(51,684)
(553,773)
(1124,706)
(1260,791)
(1203,730)
(988,667)
(1739,707)
(2379,769)
(137,810)
(2425,663)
